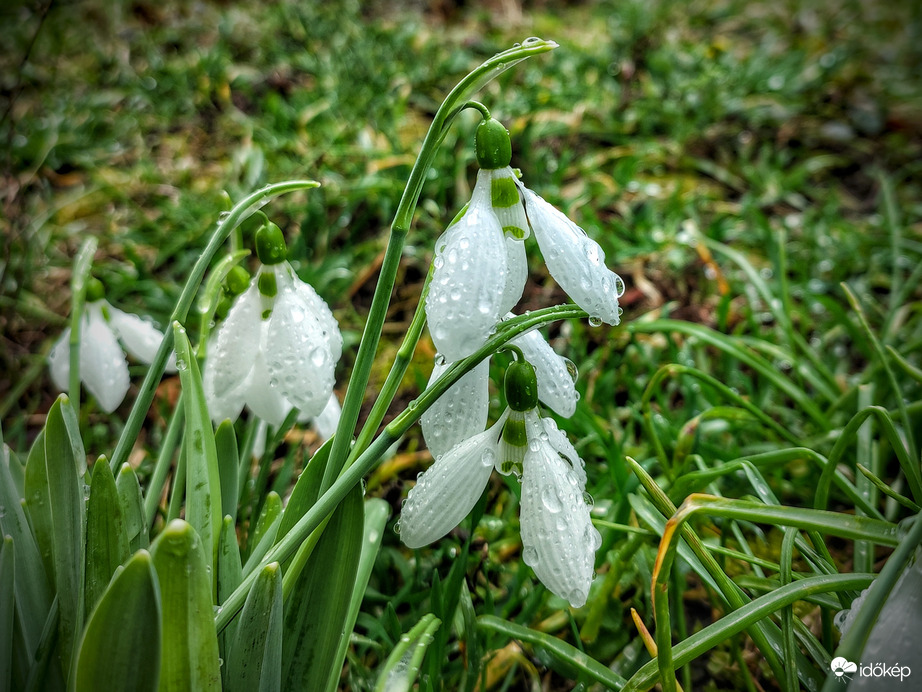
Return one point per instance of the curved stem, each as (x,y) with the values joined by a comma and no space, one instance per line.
(82,264)
(368,346)
(243,209)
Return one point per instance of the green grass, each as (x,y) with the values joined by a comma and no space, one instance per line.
(747,167)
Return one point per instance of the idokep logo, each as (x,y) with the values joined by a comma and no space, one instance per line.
(844,669)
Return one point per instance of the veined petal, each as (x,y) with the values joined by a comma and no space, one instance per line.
(233,351)
(262,398)
(517,274)
(558,538)
(468,285)
(575,260)
(448,490)
(562,445)
(460,412)
(556,384)
(139,337)
(297,354)
(59,361)
(506,201)
(103,368)
(324,316)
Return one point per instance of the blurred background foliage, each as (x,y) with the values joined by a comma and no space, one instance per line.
(790,132)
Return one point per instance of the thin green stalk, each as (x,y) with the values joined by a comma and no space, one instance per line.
(371,335)
(164,462)
(787,613)
(243,209)
(78,279)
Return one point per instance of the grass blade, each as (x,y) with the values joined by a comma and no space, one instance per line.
(401,668)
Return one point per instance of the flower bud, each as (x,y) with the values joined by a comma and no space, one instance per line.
(94,290)
(493,145)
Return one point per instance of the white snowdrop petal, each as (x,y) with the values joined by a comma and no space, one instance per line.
(103,368)
(139,337)
(575,260)
(516,276)
(232,351)
(558,538)
(262,398)
(460,412)
(448,490)
(59,361)
(468,283)
(562,445)
(512,218)
(324,315)
(556,383)
(297,354)
(327,421)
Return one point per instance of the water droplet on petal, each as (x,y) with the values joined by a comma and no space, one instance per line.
(318,356)
(530,556)
(595,321)
(550,500)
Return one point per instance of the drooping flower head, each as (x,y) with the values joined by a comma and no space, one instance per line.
(278,347)
(480,265)
(558,539)
(103,368)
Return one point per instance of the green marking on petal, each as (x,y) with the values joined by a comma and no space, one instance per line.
(514,433)
(515,232)
(503,192)
(267,285)
(267,313)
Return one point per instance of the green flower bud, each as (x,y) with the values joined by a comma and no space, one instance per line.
(270,244)
(493,145)
(236,281)
(94,290)
(521,386)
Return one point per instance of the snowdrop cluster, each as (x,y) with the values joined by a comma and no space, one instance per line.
(479,272)
(104,329)
(277,348)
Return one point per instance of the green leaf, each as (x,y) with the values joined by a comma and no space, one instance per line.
(121,646)
(32,592)
(226,448)
(401,668)
(306,490)
(38,503)
(230,576)
(263,536)
(203,482)
(106,539)
(316,611)
(7,609)
(68,524)
(131,502)
(189,655)
(254,661)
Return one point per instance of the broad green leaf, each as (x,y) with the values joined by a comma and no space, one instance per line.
(68,522)
(189,654)
(230,576)
(401,668)
(32,592)
(304,494)
(38,504)
(121,645)
(203,483)
(132,505)
(106,540)
(377,512)
(316,611)
(226,448)
(254,661)
(7,609)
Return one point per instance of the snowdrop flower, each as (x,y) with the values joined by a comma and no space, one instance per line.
(558,539)
(463,409)
(278,347)
(480,265)
(103,368)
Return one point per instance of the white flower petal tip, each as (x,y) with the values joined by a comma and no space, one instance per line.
(558,538)
(103,367)
(140,338)
(469,281)
(446,492)
(460,412)
(575,261)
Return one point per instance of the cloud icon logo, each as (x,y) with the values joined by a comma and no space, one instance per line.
(840,666)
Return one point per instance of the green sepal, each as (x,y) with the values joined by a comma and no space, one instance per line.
(121,646)
(493,144)
(521,386)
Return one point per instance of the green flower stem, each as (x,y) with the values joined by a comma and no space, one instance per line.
(208,303)
(368,346)
(231,220)
(163,463)
(78,279)
(367,460)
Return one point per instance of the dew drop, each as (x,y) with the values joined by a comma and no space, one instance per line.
(530,556)
(318,356)
(595,321)
(550,500)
